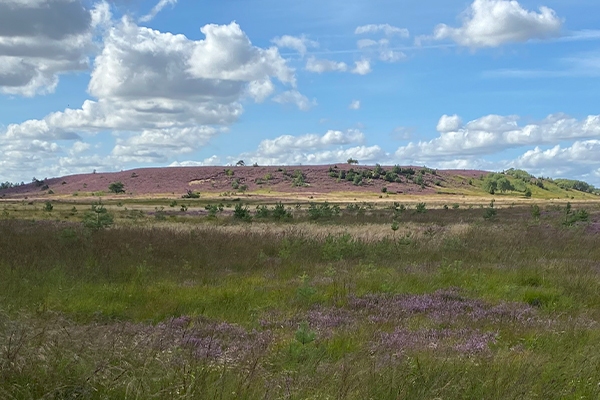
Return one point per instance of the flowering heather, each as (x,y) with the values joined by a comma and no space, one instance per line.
(441,306)
(464,341)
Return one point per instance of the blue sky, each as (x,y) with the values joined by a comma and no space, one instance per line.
(487,84)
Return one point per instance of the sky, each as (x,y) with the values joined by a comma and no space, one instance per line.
(112,85)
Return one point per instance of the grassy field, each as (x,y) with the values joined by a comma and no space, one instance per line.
(368,302)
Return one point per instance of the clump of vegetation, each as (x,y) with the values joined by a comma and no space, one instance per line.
(572,217)
(229,172)
(570,184)
(97,217)
(299,179)
(242,213)
(48,207)
(191,195)
(421,208)
(214,209)
(117,187)
(323,210)
(535,212)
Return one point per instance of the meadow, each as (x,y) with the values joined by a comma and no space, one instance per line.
(335,301)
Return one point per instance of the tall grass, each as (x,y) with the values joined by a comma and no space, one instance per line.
(448,306)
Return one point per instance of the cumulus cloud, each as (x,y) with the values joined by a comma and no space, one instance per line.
(449,123)
(362,67)
(156,9)
(210,161)
(387,29)
(297,98)
(578,159)
(492,23)
(314,149)
(494,133)
(41,40)
(320,66)
(160,94)
(300,44)
(355,105)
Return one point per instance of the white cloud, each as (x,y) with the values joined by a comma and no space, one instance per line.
(391,56)
(385,28)
(364,43)
(355,105)
(314,149)
(362,67)
(79,147)
(211,161)
(449,123)
(41,40)
(161,95)
(300,44)
(492,23)
(320,66)
(578,159)
(493,133)
(156,9)
(297,98)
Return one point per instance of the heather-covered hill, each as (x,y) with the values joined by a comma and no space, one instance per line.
(178,181)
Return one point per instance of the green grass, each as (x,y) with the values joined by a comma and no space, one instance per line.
(87,314)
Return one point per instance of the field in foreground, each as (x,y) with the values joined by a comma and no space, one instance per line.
(357,303)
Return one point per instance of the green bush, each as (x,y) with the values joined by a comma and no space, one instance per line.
(242,212)
(279,212)
(117,187)
(262,212)
(97,217)
(48,207)
(191,195)
(421,208)
(324,210)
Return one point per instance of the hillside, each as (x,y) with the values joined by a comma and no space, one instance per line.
(178,181)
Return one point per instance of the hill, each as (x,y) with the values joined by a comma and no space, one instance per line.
(408,180)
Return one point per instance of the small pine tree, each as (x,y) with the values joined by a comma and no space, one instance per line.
(98,217)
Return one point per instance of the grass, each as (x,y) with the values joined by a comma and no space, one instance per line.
(447,306)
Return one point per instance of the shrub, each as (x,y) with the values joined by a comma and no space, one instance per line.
(183,208)
(213,209)
(490,213)
(421,208)
(358,180)
(528,193)
(316,211)
(298,179)
(228,172)
(242,212)
(97,218)
(279,212)
(384,190)
(262,212)
(117,187)
(535,212)
(304,335)
(48,207)
(191,195)
(173,204)
(456,206)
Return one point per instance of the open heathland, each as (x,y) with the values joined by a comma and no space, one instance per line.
(196,298)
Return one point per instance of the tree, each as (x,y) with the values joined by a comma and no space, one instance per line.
(240,163)
(117,187)
(504,185)
(352,161)
(97,218)
(490,186)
